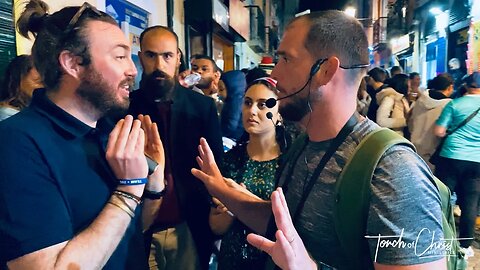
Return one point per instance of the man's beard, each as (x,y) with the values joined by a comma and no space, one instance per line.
(205,83)
(158,89)
(102,96)
(296,109)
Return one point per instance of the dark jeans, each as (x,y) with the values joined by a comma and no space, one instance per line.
(463,177)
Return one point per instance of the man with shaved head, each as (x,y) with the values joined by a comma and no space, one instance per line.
(181,237)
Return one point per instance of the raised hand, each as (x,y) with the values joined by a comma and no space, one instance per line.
(209,173)
(125,152)
(154,149)
(288,251)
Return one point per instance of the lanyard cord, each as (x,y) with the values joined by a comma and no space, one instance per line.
(337,141)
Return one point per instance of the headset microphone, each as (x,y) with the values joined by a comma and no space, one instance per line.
(279,132)
(271,102)
(270,116)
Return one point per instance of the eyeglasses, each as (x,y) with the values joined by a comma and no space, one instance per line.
(356,66)
(321,61)
(85,7)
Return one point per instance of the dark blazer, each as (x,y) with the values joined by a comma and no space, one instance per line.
(193,116)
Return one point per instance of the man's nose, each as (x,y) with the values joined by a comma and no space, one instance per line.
(273,75)
(132,70)
(159,63)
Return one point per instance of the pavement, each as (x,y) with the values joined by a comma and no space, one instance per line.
(474,262)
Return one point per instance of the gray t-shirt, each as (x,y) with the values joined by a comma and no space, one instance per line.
(403,202)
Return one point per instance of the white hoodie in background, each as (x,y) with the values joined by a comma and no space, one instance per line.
(422,122)
(393,110)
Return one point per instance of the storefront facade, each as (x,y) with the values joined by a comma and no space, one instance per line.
(215,29)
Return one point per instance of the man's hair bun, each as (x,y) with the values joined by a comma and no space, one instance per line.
(32,18)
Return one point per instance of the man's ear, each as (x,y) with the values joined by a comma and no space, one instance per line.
(216,77)
(140,57)
(70,63)
(179,57)
(327,71)
(451,89)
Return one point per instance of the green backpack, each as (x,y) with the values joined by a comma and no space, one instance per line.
(353,201)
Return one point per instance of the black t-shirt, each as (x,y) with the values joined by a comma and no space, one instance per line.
(55,180)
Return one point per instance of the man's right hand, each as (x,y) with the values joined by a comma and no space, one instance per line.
(125,153)
(209,173)
(181,78)
(288,251)
(248,208)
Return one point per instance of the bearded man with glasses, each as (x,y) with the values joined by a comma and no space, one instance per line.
(70,190)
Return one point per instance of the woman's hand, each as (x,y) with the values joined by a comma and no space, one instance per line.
(220,218)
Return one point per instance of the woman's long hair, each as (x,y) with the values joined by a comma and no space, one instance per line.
(399,82)
(10,93)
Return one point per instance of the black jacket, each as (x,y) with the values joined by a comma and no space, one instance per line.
(193,116)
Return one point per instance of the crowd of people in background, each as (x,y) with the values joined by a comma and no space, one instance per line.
(436,123)
(80,102)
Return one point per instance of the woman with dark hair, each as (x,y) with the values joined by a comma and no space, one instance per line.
(255,73)
(252,164)
(363,98)
(393,104)
(401,83)
(21,78)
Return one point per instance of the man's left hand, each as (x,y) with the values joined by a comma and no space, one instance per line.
(154,149)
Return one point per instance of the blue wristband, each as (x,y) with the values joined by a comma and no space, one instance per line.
(132,182)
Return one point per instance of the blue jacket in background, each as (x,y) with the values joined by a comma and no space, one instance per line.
(231,115)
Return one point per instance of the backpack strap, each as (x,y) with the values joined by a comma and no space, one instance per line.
(456,259)
(445,195)
(352,194)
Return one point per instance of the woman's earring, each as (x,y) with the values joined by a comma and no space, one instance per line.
(279,121)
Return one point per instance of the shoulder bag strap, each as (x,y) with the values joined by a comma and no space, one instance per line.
(464,122)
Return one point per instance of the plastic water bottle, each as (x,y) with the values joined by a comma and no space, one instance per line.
(192,79)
